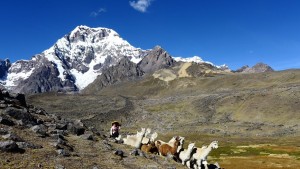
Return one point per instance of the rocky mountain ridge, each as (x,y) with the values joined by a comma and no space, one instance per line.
(77,59)
(72,63)
(257,68)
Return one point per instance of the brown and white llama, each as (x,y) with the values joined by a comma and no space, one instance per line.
(171,142)
(165,149)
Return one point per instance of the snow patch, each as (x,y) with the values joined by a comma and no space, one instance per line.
(12,78)
(84,79)
(50,56)
(198,59)
(195,59)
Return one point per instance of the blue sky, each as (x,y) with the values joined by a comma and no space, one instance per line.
(232,32)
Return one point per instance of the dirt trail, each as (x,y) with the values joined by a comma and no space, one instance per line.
(182,72)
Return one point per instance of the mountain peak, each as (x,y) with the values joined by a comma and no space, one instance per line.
(257,68)
(77,58)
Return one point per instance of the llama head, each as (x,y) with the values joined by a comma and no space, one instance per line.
(173,139)
(153,136)
(177,142)
(191,146)
(148,131)
(141,133)
(214,144)
(181,140)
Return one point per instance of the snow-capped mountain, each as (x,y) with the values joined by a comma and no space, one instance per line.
(198,59)
(79,57)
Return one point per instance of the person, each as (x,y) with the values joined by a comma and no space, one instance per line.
(115,129)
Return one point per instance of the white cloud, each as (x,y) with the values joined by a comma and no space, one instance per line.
(96,13)
(140,5)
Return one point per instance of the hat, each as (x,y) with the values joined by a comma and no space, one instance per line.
(115,122)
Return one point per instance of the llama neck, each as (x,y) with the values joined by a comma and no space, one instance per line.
(174,148)
(207,150)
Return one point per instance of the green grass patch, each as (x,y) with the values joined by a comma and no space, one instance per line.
(170,107)
(249,151)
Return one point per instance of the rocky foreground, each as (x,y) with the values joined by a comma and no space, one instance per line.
(33,138)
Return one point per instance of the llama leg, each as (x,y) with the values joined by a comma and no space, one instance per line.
(204,162)
(198,164)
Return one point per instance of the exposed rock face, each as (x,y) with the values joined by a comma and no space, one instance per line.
(72,63)
(258,68)
(46,78)
(4,66)
(122,71)
(156,59)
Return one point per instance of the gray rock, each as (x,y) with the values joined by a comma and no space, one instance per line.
(61,141)
(21,114)
(6,121)
(41,130)
(137,152)
(9,146)
(59,166)
(119,153)
(3,131)
(63,152)
(76,129)
(61,126)
(12,137)
(25,145)
(2,106)
(88,136)
(18,99)
(57,136)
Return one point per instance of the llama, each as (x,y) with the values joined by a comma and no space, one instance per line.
(149,137)
(149,148)
(171,142)
(185,155)
(165,149)
(135,140)
(200,154)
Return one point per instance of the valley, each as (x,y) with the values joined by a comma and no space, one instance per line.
(253,116)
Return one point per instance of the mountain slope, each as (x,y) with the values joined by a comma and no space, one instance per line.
(124,70)
(78,58)
(73,62)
